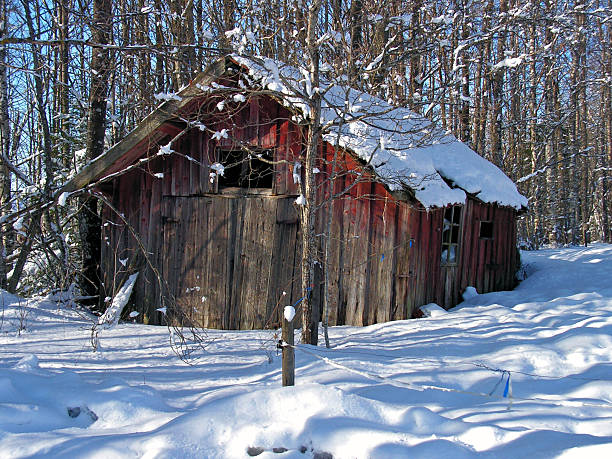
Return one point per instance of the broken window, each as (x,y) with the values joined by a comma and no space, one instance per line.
(246,169)
(486,230)
(451,230)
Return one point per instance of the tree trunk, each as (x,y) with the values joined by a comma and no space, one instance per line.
(415,82)
(497,84)
(554,182)
(34,224)
(606,180)
(5,133)
(307,214)
(355,54)
(464,115)
(63,11)
(89,221)
(160,60)
(534,144)
(577,85)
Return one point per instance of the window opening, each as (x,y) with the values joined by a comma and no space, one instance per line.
(451,230)
(246,169)
(486,230)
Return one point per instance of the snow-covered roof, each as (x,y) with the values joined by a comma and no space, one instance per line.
(404,148)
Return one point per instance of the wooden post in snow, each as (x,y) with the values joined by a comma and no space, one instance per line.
(288,376)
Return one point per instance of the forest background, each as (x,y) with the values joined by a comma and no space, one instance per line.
(527,85)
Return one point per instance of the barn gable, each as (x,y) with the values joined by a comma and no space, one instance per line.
(209,194)
(404,149)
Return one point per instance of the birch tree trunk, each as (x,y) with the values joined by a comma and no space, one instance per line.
(464,112)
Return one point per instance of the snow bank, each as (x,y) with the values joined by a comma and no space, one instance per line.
(423,388)
(470,292)
(432,310)
(35,403)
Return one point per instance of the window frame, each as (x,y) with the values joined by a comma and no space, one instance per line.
(448,244)
(492,230)
(243,158)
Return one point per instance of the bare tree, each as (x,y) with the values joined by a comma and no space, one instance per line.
(89,221)
(5,134)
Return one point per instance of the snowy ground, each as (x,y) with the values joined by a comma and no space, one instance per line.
(135,398)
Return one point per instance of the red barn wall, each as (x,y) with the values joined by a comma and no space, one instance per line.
(226,260)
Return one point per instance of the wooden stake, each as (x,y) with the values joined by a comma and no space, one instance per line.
(288,354)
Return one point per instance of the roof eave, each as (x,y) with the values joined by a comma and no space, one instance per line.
(97,167)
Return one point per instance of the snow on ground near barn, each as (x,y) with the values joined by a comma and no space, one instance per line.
(135,398)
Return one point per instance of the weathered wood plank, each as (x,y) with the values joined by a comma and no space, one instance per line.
(466,248)
(282,261)
(261,268)
(421,259)
(404,249)
(382,272)
(482,253)
(498,246)
(236,238)
(357,250)
(475,249)
(255,262)
(179,171)
(413,257)
(267,125)
(234,219)
(281,168)
(203,186)
(488,257)
(167,268)
(212,238)
(194,167)
(151,301)
(337,314)
(252,131)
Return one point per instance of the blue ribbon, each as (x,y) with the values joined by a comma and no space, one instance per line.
(507,386)
(308,290)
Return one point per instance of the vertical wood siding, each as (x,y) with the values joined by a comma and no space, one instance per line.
(232,262)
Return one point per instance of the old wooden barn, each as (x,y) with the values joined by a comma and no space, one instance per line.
(202,201)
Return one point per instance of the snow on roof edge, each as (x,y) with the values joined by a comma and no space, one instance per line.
(403,148)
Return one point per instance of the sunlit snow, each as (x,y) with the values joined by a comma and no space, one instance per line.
(421,388)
